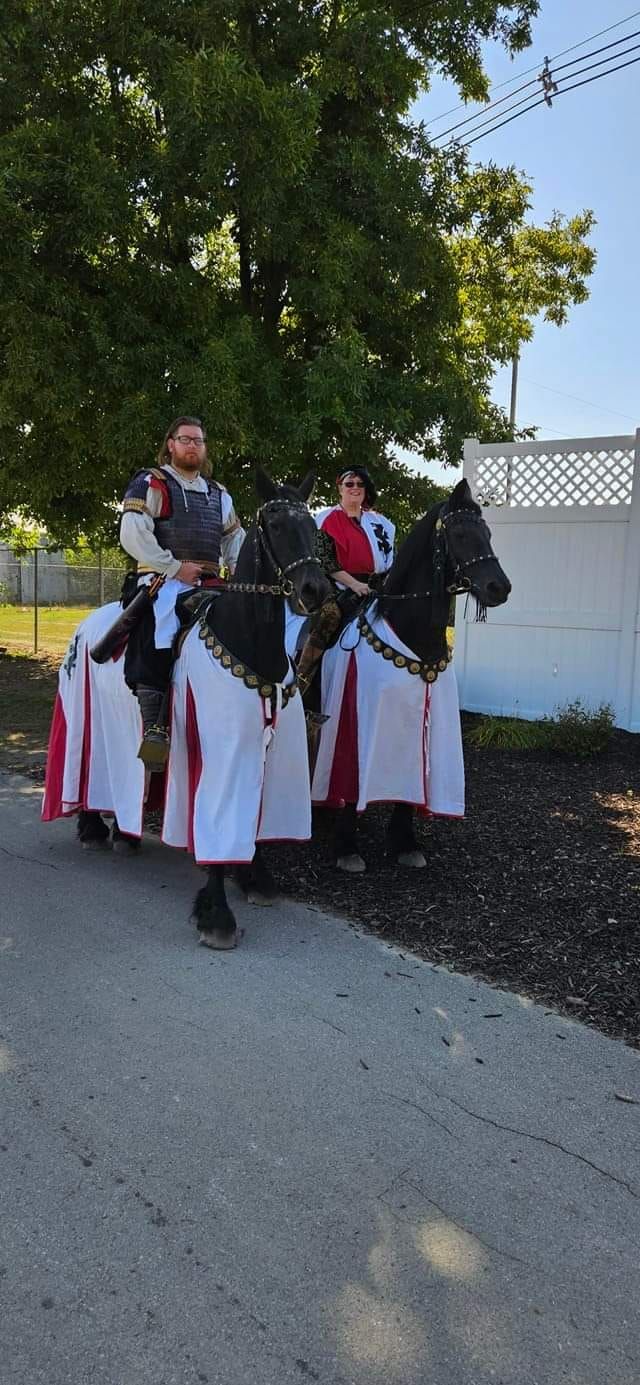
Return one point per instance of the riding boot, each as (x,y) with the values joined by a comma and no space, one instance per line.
(307,663)
(154,746)
(320,637)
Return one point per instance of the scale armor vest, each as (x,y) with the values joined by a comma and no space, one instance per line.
(193,530)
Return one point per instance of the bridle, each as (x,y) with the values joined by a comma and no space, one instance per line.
(460,583)
(284,586)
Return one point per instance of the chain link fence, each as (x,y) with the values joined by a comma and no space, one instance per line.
(43,598)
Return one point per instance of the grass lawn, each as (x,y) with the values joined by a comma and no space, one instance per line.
(56,624)
(28,681)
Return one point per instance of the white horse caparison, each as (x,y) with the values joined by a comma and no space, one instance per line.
(389,691)
(238,773)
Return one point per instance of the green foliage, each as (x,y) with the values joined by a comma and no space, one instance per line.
(578,731)
(84,555)
(20,533)
(227,210)
(504,733)
(574,730)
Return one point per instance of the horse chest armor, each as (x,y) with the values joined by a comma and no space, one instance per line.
(193,530)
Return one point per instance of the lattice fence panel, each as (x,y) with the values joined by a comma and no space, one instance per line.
(564,476)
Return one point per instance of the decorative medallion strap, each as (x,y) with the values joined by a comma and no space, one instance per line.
(239,670)
(428,672)
(257,588)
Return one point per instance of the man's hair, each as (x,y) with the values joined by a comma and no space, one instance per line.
(187,420)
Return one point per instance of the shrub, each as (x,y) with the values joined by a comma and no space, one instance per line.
(573,730)
(504,733)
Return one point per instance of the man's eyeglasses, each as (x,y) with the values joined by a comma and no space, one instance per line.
(185,440)
(354,485)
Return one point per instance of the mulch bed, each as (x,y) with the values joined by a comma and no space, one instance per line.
(537,890)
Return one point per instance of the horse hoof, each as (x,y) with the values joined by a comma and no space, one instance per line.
(97,844)
(414,859)
(263,901)
(220,942)
(353,865)
(126,846)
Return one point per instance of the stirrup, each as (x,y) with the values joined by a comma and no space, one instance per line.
(154,748)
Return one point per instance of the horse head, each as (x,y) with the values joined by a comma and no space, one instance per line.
(287,536)
(471,562)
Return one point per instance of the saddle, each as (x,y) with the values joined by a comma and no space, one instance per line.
(190,606)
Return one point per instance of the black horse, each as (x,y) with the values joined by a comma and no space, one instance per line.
(448,552)
(277,562)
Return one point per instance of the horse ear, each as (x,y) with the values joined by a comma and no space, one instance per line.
(305,488)
(460,495)
(265,487)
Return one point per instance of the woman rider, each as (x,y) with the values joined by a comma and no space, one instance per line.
(355,545)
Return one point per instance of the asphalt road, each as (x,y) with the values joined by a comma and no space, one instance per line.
(314,1159)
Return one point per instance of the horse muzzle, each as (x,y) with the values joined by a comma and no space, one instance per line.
(310,591)
(494,588)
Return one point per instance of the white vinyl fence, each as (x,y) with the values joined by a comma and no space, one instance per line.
(565,521)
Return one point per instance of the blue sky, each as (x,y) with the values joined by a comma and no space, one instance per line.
(581,153)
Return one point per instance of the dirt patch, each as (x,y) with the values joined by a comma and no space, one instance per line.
(537,890)
(28,685)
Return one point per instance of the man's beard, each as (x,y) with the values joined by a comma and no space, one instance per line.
(188,463)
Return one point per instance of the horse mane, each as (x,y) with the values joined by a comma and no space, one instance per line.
(413,551)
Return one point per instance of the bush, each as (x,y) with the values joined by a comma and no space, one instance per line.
(504,733)
(573,730)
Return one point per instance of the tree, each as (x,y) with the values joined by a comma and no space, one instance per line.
(226,209)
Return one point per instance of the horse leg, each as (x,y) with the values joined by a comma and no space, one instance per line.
(123,843)
(211,914)
(93,833)
(402,844)
(256,880)
(348,857)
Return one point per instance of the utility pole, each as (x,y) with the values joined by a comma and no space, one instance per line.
(514,392)
(512,424)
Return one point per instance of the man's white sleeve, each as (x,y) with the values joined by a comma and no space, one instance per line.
(139,541)
(233,534)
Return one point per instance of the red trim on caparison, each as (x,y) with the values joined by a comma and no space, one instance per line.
(425,733)
(194,765)
(344,778)
(56,754)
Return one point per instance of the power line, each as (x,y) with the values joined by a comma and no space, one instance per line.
(577,399)
(478,123)
(470,118)
(466,144)
(557,432)
(510,80)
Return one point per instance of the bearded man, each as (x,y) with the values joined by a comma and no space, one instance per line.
(180,523)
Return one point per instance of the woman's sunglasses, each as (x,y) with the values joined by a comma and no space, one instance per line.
(354,485)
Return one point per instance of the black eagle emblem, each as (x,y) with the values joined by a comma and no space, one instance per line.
(382,538)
